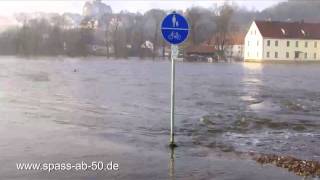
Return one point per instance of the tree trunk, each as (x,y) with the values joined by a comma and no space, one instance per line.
(107,46)
(155,41)
(163,49)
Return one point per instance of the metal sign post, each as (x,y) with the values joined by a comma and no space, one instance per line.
(174,55)
(173,74)
(174,30)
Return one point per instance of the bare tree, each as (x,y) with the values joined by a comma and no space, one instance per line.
(194,15)
(118,36)
(114,27)
(138,35)
(107,34)
(222,21)
(201,26)
(156,17)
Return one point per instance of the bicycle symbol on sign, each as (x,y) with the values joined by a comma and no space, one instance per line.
(174,28)
(174,35)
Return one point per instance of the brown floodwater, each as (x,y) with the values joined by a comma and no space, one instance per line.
(92,109)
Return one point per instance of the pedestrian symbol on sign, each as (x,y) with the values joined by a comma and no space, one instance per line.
(174,28)
(175,23)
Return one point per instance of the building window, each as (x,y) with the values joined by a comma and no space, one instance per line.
(276,43)
(297,43)
(248,54)
(305,55)
(268,43)
(315,55)
(315,44)
(248,43)
(268,54)
(255,32)
(276,54)
(288,43)
(287,54)
(257,43)
(306,44)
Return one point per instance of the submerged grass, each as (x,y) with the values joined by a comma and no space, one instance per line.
(298,166)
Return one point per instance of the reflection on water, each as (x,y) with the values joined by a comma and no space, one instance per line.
(251,83)
(171,164)
(253,66)
(119,110)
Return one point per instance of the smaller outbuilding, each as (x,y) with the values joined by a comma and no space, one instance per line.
(201,53)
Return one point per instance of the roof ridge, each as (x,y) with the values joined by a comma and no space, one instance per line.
(287,22)
(293,30)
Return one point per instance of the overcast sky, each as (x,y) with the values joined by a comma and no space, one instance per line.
(9,7)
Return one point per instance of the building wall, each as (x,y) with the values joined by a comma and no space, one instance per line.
(282,49)
(253,45)
(234,51)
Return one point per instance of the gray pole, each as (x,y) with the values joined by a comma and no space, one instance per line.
(172,144)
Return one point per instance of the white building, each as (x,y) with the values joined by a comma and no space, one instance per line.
(234,47)
(282,41)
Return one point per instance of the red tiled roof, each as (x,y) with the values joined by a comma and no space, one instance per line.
(236,39)
(233,38)
(289,30)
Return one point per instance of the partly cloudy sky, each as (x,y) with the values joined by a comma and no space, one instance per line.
(9,7)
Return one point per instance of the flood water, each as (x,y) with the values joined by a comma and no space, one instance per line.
(92,109)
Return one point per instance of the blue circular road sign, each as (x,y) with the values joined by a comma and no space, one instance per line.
(174,28)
